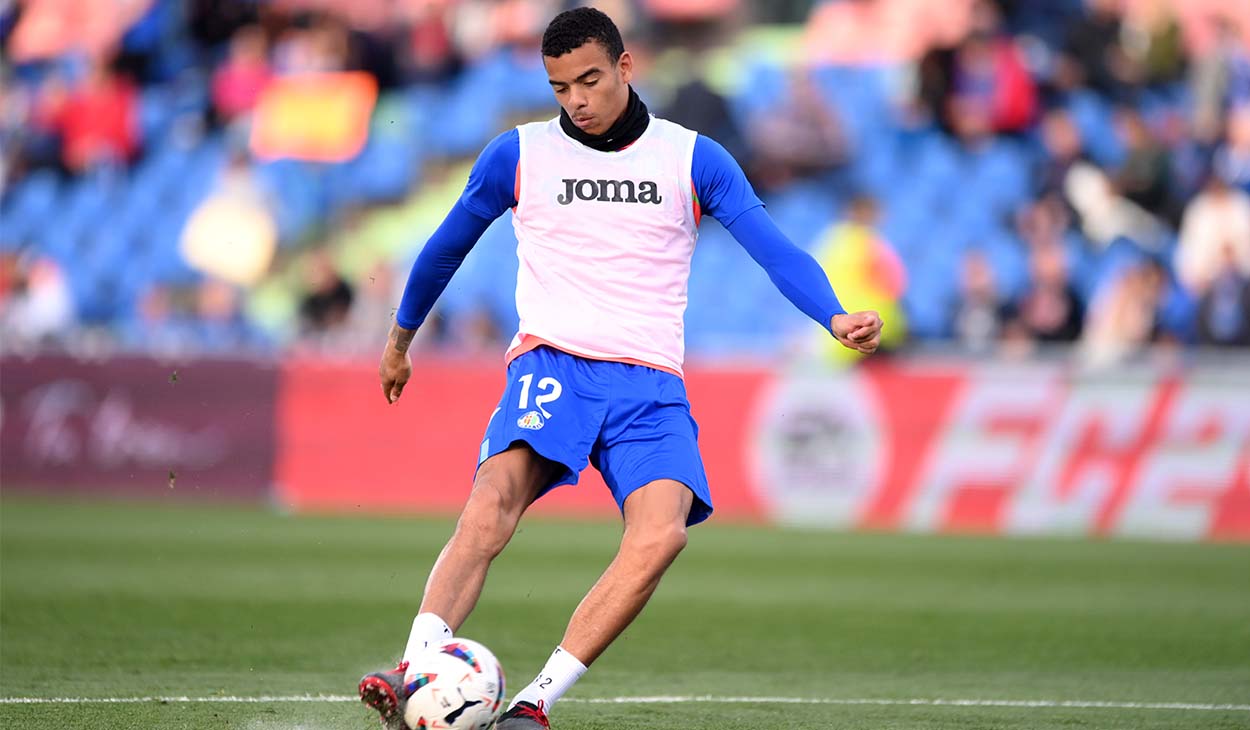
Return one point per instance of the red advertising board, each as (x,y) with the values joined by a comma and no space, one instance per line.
(136,426)
(1003,449)
(1026,448)
(342,446)
(1010,449)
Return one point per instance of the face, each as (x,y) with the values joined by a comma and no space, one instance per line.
(589,86)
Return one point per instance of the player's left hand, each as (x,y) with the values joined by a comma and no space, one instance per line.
(860,331)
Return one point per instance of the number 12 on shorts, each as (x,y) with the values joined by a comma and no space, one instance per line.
(548,390)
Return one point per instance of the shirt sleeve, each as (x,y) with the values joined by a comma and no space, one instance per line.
(793,271)
(438,262)
(491,190)
(720,185)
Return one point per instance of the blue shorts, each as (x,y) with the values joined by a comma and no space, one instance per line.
(631,421)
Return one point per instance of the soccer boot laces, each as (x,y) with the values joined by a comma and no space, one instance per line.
(523,716)
(385,692)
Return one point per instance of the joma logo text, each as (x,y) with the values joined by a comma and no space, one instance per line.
(610,191)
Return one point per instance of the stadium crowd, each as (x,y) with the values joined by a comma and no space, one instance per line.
(990,175)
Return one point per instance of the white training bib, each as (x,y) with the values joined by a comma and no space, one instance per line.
(604,241)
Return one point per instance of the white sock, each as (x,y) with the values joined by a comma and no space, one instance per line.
(560,673)
(427,628)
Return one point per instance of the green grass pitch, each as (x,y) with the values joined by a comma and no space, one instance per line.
(129,600)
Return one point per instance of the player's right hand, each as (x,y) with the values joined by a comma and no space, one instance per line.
(860,331)
(395,370)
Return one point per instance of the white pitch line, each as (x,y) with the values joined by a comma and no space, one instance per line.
(665,700)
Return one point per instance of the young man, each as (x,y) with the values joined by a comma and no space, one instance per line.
(606,203)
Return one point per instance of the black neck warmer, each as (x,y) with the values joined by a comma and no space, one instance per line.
(624,132)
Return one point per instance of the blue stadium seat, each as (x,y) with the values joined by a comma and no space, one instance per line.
(999,176)
(28,207)
(928,305)
(935,171)
(89,199)
(1083,266)
(763,87)
(384,170)
(295,189)
(519,79)
(468,119)
(1179,312)
(1008,260)
(1093,117)
(803,211)
(858,95)
(876,168)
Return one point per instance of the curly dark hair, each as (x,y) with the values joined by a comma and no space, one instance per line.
(575,28)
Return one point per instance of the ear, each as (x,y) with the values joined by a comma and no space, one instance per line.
(626,67)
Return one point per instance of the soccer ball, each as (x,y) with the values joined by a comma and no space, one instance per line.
(456,684)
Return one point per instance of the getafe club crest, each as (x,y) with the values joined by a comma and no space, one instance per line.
(532,420)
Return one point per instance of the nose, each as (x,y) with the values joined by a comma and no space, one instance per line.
(577,99)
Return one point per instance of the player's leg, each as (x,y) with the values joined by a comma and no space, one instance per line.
(649,456)
(537,439)
(655,533)
(505,485)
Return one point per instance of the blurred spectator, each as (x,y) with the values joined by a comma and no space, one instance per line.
(158,324)
(238,82)
(38,307)
(982,81)
(328,298)
(1224,311)
(1215,236)
(979,313)
(970,121)
(220,325)
(1124,315)
(371,310)
(1189,161)
(1232,159)
(49,28)
(989,68)
(95,119)
(1092,44)
(473,332)
(10,275)
(800,137)
(214,22)
(314,44)
(28,139)
(696,106)
(1049,311)
(1105,214)
(232,235)
(1143,178)
(1220,80)
(881,31)
(1062,147)
(432,55)
(1152,43)
(865,271)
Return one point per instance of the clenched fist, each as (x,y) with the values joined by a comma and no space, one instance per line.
(860,331)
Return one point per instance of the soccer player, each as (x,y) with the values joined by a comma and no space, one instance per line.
(606,202)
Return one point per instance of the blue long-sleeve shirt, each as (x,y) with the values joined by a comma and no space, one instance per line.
(723,192)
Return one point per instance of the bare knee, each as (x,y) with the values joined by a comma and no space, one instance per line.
(505,486)
(655,546)
(488,521)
